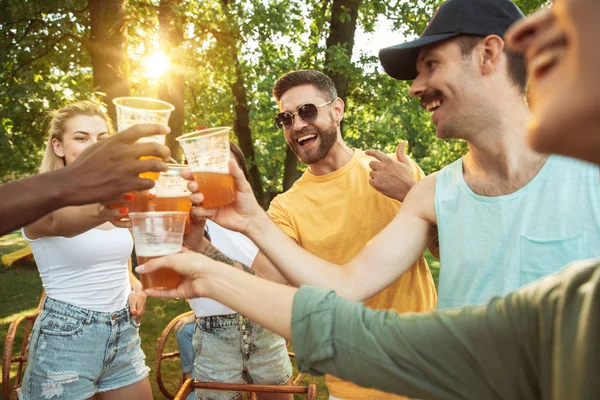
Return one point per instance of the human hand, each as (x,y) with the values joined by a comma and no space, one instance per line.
(109,168)
(137,304)
(393,178)
(194,239)
(237,216)
(118,216)
(182,322)
(195,269)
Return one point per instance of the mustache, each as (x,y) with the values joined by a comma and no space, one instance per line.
(429,96)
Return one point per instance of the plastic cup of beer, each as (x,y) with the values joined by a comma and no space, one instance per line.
(143,110)
(157,234)
(207,152)
(171,193)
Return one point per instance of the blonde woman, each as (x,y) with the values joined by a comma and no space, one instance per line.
(85,343)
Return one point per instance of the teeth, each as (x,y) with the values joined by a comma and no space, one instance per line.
(433,105)
(303,138)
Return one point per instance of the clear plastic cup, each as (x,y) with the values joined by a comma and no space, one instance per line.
(157,234)
(143,110)
(170,192)
(207,152)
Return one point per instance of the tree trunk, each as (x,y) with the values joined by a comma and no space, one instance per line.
(289,169)
(230,40)
(172,84)
(344,14)
(108,49)
(242,129)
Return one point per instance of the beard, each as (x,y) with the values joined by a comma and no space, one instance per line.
(327,138)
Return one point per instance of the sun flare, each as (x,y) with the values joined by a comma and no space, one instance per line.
(156,64)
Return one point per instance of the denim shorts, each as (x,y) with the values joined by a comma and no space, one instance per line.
(75,353)
(232,349)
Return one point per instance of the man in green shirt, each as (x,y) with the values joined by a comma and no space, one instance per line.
(540,342)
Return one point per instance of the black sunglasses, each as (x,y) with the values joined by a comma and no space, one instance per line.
(306,112)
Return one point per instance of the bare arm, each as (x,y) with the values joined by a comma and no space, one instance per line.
(265,269)
(70,221)
(385,258)
(267,303)
(454,354)
(102,173)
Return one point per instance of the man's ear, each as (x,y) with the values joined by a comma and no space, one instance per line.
(338,110)
(57,146)
(491,49)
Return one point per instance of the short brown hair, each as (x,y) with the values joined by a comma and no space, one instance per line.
(319,80)
(517,71)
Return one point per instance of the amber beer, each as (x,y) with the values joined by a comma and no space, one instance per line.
(163,278)
(156,234)
(218,188)
(173,204)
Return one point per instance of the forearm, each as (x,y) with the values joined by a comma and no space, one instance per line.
(473,353)
(298,266)
(135,282)
(73,221)
(29,199)
(267,303)
(215,254)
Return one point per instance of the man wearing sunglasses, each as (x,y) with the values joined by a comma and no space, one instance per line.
(331,210)
(505,215)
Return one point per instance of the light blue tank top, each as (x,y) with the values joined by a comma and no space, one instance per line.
(490,246)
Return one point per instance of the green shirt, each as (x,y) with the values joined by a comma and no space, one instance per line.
(540,342)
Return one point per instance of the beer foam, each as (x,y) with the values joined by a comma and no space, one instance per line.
(162,250)
(223,169)
(172,192)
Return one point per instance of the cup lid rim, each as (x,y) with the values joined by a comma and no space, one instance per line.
(157,213)
(202,133)
(170,107)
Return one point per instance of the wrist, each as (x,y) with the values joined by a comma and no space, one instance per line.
(60,188)
(256,225)
(215,280)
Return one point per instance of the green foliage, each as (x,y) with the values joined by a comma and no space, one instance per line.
(44,65)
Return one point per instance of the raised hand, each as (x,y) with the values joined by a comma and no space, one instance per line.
(236,216)
(393,178)
(111,167)
(194,267)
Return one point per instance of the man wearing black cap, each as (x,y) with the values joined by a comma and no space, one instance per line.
(501,211)
(505,215)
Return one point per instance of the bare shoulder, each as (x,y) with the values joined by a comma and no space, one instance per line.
(421,199)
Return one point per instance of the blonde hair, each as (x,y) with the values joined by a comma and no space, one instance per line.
(57,126)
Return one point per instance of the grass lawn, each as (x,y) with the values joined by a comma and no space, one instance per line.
(20,289)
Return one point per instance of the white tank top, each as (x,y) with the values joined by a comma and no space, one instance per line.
(235,246)
(88,271)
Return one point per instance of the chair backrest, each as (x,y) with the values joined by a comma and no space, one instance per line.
(10,357)
(189,385)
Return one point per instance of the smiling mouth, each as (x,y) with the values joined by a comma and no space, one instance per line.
(432,106)
(305,140)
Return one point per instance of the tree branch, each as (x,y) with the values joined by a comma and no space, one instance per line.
(41,55)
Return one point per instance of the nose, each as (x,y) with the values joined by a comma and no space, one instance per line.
(417,88)
(297,123)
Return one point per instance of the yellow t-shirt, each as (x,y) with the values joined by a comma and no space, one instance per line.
(333,216)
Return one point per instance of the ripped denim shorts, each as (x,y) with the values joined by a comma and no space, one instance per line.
(233,349)
(75,353)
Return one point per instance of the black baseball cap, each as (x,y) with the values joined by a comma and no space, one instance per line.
(453,18)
